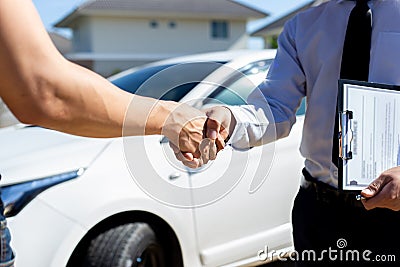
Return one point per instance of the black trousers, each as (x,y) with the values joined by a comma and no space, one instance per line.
(334,233)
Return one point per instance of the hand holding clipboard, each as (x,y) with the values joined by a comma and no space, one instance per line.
(369,115)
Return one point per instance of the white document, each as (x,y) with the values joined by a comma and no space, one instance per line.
(370,141)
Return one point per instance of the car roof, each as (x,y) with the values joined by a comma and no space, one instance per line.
(220,56)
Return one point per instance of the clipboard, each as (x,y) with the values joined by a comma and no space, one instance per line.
(369,132)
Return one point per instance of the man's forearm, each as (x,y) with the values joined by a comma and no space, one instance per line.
(41,87)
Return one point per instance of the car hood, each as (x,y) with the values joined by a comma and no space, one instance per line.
(28,153)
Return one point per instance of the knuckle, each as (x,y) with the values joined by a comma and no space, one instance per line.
(393,196)
(374,185)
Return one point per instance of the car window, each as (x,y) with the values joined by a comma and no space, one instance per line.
(236,90)
(166,82)
(132,81)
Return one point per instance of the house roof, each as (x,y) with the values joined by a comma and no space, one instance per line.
(163,8)
(275,26)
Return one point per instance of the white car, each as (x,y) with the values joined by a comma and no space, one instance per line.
(121,202)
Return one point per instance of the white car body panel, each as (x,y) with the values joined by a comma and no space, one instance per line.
(247,222)
(86,208)
(41,153)
(47,240)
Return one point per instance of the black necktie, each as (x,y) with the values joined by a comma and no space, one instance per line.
(356,55)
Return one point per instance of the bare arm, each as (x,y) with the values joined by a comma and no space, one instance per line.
(41,87)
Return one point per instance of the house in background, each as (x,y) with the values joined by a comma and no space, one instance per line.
(113,35)
(270,31)
(63,44)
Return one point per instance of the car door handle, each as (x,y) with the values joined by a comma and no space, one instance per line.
(174,176)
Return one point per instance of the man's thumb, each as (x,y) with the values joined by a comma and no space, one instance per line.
(213,128)
(373,188)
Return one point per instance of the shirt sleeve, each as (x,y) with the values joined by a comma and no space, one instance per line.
(271,110)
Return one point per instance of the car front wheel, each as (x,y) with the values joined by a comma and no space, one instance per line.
(128,245)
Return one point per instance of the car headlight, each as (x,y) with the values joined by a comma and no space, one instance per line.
(15,197)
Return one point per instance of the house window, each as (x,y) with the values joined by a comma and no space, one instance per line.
(172,24)
(219,29)
(153,24)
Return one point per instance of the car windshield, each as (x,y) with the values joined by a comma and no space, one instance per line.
(166,82)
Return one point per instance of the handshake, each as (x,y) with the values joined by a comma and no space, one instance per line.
(197,136)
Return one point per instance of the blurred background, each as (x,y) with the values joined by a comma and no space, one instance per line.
(111,36)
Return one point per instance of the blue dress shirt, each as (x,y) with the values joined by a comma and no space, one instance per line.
(307,64)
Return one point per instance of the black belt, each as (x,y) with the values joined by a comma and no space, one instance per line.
(329,194)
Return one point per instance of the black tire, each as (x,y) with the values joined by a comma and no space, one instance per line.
(128,245)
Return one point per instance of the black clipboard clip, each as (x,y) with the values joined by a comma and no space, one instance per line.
(345,135)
